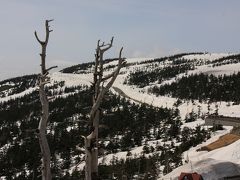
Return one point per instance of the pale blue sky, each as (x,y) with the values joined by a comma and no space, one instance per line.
(145,28)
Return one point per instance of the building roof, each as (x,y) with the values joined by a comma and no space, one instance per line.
(190,176)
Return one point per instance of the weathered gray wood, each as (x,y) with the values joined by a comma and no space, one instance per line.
(91,141)
(45,150)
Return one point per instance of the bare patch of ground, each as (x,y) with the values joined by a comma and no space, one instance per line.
(224,140)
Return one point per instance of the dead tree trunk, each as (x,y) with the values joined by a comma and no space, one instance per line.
(91,141)
(43,80)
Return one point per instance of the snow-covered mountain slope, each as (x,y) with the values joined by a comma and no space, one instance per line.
(215,160)
(141,94)
(136,82)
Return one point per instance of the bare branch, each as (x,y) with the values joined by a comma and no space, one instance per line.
(120,59)
(108,46)
(44,75)
(47,33)
(50,20)
(47,30)
(98,43)
(35,33)
(78,164)
(51,98)
(80,148)
(108,76)
(112,40)
(121,62)
(48,69)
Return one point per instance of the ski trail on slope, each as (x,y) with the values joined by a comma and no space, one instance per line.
(121,93)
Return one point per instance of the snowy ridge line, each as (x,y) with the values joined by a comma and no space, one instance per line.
(129,61)
(19,95)
(71,80)
(207,56)
(140,94)
(227,69)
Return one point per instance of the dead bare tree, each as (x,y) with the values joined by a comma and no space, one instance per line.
(91,141)
(43,80)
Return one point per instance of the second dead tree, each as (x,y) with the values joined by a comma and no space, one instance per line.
(91,141)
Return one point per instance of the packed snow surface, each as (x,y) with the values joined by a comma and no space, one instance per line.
(211,165)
